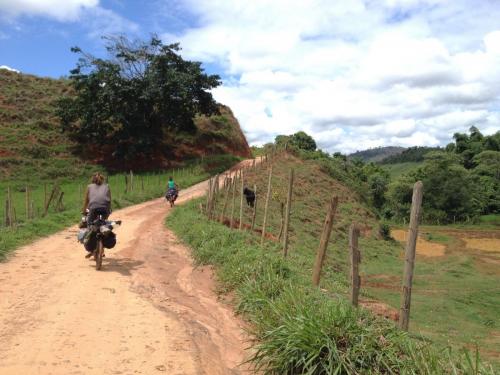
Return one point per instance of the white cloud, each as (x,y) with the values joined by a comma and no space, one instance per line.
(98,20)
(5,67)
(62,10)
(353,74)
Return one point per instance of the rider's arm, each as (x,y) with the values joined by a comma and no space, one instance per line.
(109,195)
(86,200)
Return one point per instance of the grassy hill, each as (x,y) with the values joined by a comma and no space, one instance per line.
(377,154)
(32,146)
(454,289)
(36,155)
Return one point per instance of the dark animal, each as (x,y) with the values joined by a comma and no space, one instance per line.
(250,196)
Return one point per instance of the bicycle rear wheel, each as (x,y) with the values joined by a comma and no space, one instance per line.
(98,254)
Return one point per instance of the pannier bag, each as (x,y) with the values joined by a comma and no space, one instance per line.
(109,240)
(81,235)
(90,241)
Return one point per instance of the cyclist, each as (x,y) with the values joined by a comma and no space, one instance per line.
(97,200)
(172,188)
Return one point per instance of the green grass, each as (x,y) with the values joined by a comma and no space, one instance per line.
(299,329)
(492,219)
(146,186)
(396,170)
(452,282)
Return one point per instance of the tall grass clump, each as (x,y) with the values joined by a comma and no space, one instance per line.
(299,329)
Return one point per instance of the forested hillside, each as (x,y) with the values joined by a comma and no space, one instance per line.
(377,154)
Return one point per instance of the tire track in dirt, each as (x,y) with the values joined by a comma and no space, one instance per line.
(148,311)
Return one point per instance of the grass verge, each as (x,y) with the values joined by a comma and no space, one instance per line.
(298,329)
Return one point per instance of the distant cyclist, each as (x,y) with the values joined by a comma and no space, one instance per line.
(172,190)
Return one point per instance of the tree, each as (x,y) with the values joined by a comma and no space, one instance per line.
(303,141)
(130,101)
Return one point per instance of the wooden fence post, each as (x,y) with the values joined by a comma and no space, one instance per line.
(287,214)
(266,206)
(7,217)
(254,213)
(323,243)
(411,243)
(44,195)
(233,202)
(226,199)
(282,220)
(131,181)
(241,201)
(215,190)
(12,218)
(209,190)
(355,259)
(27,202)
(47,204)
(60,206)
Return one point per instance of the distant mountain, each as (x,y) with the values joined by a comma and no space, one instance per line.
(377,154)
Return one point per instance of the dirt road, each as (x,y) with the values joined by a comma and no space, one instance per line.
(149,311)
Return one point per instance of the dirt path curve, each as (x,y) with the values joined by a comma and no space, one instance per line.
(149,311)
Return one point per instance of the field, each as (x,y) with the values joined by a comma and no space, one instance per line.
(455,296)
(396,170)
(145,186)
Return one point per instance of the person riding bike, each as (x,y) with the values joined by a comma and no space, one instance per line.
(97,200)
(172,187)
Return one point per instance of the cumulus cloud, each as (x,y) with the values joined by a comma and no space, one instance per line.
(353,74)
(62,10)
(97,19)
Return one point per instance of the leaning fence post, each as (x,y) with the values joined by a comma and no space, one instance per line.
(241,201)
(254,214)
(266,206)
(323,243)
(60,206)
(411,243)
(47,204)
(287,215)
(355,259)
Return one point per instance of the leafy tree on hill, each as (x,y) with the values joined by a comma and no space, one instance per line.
(472,144)
(300,140)
(133,99)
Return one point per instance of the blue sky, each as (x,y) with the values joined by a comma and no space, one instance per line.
(353,73)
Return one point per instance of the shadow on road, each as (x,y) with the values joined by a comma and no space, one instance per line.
(123,266)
